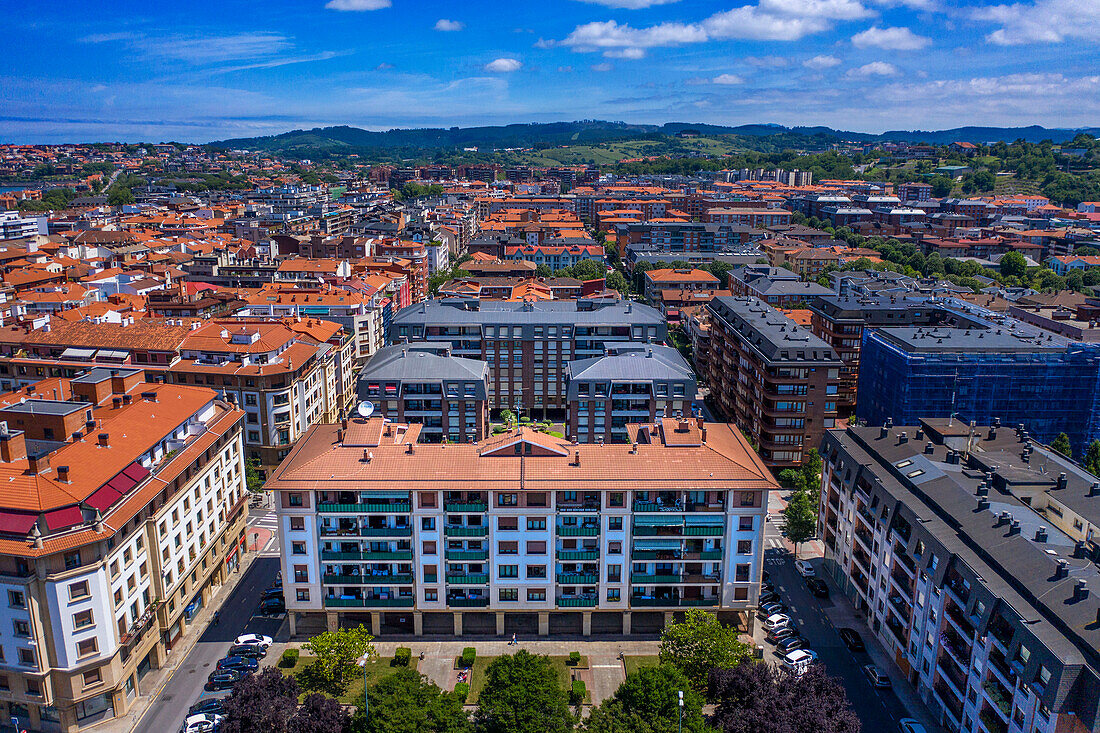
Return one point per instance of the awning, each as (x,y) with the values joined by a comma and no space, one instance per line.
(70,516)
(17,523)
(656,543)
(110,354)
(103,498)
(658,520)
(386,495)
(708,519)
(136,472)
(74,353)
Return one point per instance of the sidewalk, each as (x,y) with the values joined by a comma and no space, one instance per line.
(158,678)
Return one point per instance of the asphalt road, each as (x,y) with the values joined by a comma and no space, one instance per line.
(878,710)
(167,712)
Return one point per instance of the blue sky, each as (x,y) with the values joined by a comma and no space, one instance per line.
(201,70)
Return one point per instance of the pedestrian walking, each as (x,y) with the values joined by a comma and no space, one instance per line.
(513,642)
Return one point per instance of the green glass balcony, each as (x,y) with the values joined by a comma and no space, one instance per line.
(577,602)
(667,555)
(395,579)
(466,531)
(701,602)
(369,602)
(467,555)
(665,530)
(366,507)
(710,554)
(386,532)
(578,554)
(578,578)
(430,577)
(467,578)
(703,531)
(654,578)
(578,531)
(466,507)
(467,602)
(390,555)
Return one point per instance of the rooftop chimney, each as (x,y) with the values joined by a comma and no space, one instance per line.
(1062,481)
(1080,590)
(1062,571)
(13,446)
(63,473)
(104,439)
(1094,490)
(983,503)
(576,458)
(1014,528)
(1041,534)
(903,438)
(39,464)
(1079,549)
(928,447)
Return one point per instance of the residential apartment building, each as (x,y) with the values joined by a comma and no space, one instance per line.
(654,281)
(448,396)
(521,533)
(771,377)
(776,286)
(630,384)
(972,551)
(125,508)
(527,345)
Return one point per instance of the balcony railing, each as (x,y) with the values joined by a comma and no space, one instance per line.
(656,506)
(665,530)
(391,555)
(368,602)
(467,578)
(636,601)
(654,578)
(466,531)
(571,602)
(578,555)
(367,532)
(998,697)
(466,507)
(467,555)
(703,531)
(588,531)
(467,602)
(394,579)
(366,507)
(578,578)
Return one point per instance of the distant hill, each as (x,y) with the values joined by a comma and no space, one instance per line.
(343,140)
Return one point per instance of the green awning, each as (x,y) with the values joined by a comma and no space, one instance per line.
(697,519)
(658,520)
(656,543)
(385,494)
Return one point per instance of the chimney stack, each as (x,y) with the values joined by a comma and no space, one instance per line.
(576,458)
(1080,590)
(104,439)
(63,473)
(1041,534)
(1062,571)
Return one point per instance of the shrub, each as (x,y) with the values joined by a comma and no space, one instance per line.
(577,692)
(402,656)
(467,658)
(462,691)
(289,658)
(574,658)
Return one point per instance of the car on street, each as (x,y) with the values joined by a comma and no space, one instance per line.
(201,723)
(260,639)
(779,633)
(851,639)
(799,660)
(769,597)
(770,609)
(223,679)
(876,676)
(804,568)
(790,643)
(242,663)
(250,651)
(776,620)
(910,725)
(766,587)
(210,705)
(272,607)
(273,592)
(817,587)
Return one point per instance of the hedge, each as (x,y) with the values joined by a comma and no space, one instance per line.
(289,658)
(469,654)
(402,656)
(577,693)
(462,690)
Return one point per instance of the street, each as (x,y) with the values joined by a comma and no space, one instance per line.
(185,687)
(878,710)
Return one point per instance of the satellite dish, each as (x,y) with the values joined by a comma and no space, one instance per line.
(365,409)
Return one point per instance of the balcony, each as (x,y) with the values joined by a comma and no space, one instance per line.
(577,601)
(654,578)
(577,506)
(140,626)
(705,555)
(366,508)
(466,531)
(578,578)
(331,602)
(703,531)
(467,602)
(584,531)
(865,538)
(701,601)
(657,506)
(468,578)
(388,555)
(575,555)
(642,602)
(950,702)
(468,507)
(998,696)
(366,532)
(668,530)
(468,555)
(392,579)
(950,672)
(991,722)
(663,555)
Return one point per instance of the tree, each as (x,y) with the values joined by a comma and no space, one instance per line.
(120,197)
(252,478)
(1092,458)
(1013,264)
(337,653)
(811,470)
(800,519)
(543,270)
(507,417)
(789,478)
(522,695)
(407,702)
(616,281)
(699,644)
(588,270)
(941,186)
(261,703)
(319,714)
(1061,445)
(647,702)
(757,697)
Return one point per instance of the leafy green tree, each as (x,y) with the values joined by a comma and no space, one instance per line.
(337,654)
(252,478)
(941,186)
(790,478)
(1092,458)
(1061,445)
(648,702)
(800,519)
(699,644)
(120,197)
(522,694)
(1013,264)
(616,281)
(588,270)
(543,270)
(507,417)
(407,702)
(811,470)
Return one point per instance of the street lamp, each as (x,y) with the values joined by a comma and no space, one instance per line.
(362,662)
(680,693)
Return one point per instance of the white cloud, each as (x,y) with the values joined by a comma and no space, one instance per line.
(626,53)
(603,35)
(767,62)
(504,65)
(449,25)
(728,79)
(822,61)
(912,4)
(629,4)
(892,39)
(605,66)
(875,68)
(1044,21)
(357,5)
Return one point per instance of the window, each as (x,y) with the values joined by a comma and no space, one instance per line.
(297,548)
(21,628)
(744,547)
(614,573)
(508,547)
(613,594)
(301,573)
(82,620)
(427,523)
(536,547)
(508,594)
(72,560)
(16,599)
(508,571)
(536,523)
(86,647)
(92,678)
(302,594)
(507,499)
(536,571)
(614,523)
(26,656)
(294,499)
(507,523)
(745,524)
(78,590)
(742,573)
(297,524)
(429,547)
(536,594)
(748,498)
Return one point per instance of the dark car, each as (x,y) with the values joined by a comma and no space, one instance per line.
(817,587)
(778,634)
(249,651)
(241,663)
(272,606)
(767,587)
(791,643)
(770,597)
(213,705)
(851,639)
(876,676)
(276,592)
(223,679)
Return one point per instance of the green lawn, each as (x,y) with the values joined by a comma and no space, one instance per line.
(376,669)
(481,664)
(633,662)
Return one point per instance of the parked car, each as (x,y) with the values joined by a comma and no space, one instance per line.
(766,575)
(769,597)
(770,609)
(260,639)
(851,639)
(804,568)
(876,676)
(767,587)
(248,651)
(817,587)
(241,663)
(223,679)
(776,620)
(790,643)
(201,723)
(275,592)
(774,636)
(210,705)
(909,725)
(799,660)
(272,607)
